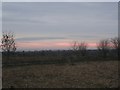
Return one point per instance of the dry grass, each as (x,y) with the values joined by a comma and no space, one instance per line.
(94,74)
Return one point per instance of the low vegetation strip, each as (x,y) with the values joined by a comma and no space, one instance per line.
(94,74)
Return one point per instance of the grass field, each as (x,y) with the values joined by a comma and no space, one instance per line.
(94,74)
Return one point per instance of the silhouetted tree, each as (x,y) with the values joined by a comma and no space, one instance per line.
(8,43)
(74,47)
(82,48)
(103,47)
(116,44)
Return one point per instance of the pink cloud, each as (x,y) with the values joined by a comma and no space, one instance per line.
(92,44)
(42,45)
(48,45)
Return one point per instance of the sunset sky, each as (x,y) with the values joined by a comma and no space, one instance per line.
(50,25)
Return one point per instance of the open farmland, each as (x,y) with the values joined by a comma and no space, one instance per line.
(94,74)
(59,44)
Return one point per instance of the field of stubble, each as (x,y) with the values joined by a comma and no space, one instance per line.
(94,74)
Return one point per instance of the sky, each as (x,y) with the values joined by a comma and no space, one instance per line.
(55,25)
(59,0)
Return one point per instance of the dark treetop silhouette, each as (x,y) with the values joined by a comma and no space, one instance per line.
(8,42)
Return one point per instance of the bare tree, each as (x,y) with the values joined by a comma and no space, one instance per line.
(8,43)
(103,47)
(82,48)
(75,46)
(116,44)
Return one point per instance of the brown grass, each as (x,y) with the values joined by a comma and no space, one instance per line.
(94,74)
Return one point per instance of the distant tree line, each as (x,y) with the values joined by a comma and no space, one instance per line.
(104,47)
(78,49)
